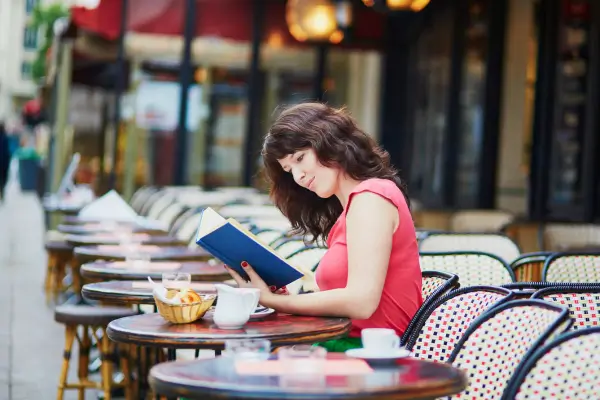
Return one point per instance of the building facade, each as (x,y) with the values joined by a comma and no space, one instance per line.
(18,47)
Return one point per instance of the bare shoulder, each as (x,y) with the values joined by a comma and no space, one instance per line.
(369,207)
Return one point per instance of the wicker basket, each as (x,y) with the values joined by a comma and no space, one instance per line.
(185,313)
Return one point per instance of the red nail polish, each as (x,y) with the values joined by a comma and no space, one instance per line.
(244,264)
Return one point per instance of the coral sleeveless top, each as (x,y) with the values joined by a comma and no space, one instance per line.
(401,297)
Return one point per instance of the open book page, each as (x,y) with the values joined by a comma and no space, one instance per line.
(211,220)
(257,240)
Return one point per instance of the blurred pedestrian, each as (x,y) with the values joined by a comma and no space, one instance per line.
(4,159)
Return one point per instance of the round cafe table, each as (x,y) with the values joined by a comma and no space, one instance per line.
(63,208)
(120,270)
(112,238)
(218,378)
(85,254)
(77,220)
(99,227)
(152,330)
(133,292)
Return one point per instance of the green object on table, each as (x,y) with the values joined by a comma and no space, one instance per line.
(340,345)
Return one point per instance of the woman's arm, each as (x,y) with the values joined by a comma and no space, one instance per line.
(371,222)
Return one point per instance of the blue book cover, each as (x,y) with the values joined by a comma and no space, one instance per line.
(231,243)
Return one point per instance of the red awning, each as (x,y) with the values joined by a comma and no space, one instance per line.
(228,19)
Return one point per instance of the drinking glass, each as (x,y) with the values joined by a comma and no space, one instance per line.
(176,280)
(303,359)
(248,349)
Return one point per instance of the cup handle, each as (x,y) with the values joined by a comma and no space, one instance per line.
(249,300)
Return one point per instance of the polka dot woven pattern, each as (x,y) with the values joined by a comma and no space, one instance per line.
(472,269)
(448,322)
(492,352)
(571,370)
(430,284)
(581,269)
(583,307)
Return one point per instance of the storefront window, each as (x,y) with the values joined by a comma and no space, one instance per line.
(572,74)
(472,108)
(432,85)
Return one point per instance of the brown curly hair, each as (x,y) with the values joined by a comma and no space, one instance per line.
(338,142)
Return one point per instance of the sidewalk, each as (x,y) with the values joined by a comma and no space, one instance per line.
(31,343)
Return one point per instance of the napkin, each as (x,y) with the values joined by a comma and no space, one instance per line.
(161,293)
(111,206)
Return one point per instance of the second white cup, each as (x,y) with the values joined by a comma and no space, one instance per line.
(380,340)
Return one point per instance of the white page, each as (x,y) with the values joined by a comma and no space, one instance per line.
(210,221)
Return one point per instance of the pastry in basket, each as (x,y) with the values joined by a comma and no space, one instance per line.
(185,296)
(189,296)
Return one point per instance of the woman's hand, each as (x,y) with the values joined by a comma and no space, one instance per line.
(266,292)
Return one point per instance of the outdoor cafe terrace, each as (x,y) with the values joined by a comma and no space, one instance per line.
(496,323)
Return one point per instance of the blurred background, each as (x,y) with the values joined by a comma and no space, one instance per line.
(483,104)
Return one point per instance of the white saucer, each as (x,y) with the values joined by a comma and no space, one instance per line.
(370,355)
(262,312)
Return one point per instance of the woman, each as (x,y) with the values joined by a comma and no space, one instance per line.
(332,181)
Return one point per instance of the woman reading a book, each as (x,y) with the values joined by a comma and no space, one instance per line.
(332,181)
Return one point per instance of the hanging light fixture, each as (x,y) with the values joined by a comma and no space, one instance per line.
(397,5)
(319,20)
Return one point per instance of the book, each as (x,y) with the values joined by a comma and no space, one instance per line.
(230,242)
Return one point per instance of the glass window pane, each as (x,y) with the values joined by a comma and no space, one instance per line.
(471,102)
(30,36)
(431,88)
(26,70)
(30,5)
(566,186)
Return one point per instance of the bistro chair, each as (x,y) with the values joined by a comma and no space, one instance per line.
(566,368)
(494,345)
(441,326)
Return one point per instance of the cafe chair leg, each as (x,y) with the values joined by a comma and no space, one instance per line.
(62,383)
(84,359)
(125,358)
(87,324)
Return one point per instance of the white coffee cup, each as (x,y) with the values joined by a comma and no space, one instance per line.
(380,340)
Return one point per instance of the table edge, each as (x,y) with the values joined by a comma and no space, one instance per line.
(210,343)
(166,388)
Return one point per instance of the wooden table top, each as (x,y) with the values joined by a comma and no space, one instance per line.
(107,252)
(77,220)
(111,238)
(406,378)
(133,292)
(68,209)
(120,270)
(91,228)
(280,329)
